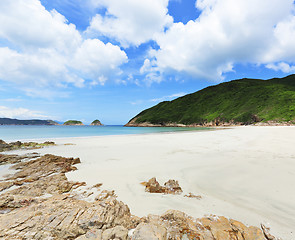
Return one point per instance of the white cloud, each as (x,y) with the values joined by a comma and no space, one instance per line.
(21,113)
(282,66)
(130,22)
(226,33)
(168,98)
(94,59)
(44,51)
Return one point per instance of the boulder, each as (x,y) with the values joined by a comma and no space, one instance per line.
(118,232)
(149,231)
(170,187)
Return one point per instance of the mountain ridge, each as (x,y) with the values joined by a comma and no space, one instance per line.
(13,121)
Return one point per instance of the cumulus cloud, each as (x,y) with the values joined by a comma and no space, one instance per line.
(227,32)
(282,66)
(44,50)
(130,22)
(21,113)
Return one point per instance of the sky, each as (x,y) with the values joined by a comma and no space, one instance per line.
(111,59)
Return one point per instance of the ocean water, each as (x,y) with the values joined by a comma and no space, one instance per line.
(22,132)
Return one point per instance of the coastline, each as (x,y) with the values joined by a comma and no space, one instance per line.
(243,173)
(133,123)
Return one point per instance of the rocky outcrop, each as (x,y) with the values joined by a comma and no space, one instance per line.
(96,123)
(23,145)
(177,225)
(43,204)
(170,187)
(13,158)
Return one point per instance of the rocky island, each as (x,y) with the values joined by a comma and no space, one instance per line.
(96,123)
(73,123)
(239,102)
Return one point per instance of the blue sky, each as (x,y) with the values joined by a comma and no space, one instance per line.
(111,59)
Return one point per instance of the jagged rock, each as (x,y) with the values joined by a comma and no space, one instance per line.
(266,233)
(93,234)
(62,217)
(170,187)
(5,185)
(191,195)
(43,166)
(36,178)
(12,159)
(27,145)
(149,231)
(117,232)
(153,186)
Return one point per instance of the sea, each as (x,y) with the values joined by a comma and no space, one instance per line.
(31,132)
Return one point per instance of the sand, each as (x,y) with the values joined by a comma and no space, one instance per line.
(244,173)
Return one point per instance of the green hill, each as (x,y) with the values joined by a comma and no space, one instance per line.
(243,101)
(96,123)
(73,122)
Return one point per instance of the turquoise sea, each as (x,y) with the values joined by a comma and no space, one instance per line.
(22,132)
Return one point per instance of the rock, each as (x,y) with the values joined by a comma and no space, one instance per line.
(191,195)
(172,187)
(117,232)
(153,186)
(93,234)
(149,231)
(43,166)
(11,159)
(61,217)
(266,233)
(98,185)
(27,145)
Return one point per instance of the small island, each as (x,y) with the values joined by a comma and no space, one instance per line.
(73,123)
(96,123)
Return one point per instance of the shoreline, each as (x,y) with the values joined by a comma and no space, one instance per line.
(241,173)
(116,135)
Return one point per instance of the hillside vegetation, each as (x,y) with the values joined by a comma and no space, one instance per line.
(240,101)
(96,123)
(73,122)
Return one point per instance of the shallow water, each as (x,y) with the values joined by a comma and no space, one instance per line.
(21,132)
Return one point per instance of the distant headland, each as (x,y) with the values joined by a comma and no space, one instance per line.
(238,102)
(10,121)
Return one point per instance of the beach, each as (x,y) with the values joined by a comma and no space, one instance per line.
(245,173)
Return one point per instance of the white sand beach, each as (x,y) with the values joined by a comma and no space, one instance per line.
(244,173)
